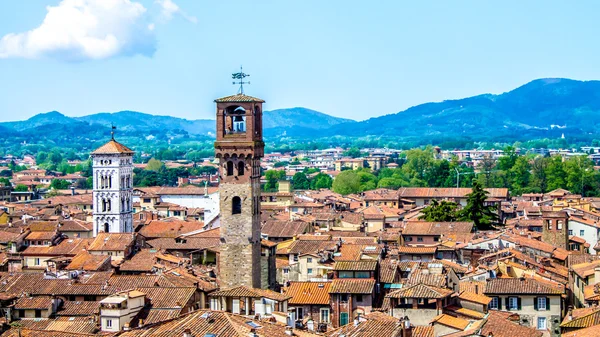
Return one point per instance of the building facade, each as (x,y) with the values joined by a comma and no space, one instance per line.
(239,147)
(113,188)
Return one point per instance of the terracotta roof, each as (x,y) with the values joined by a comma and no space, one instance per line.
(470,313)
(142,261)
(284,229)
(499,325)
(436,228)
(243,291)
(520,286)
(88,262)
(585,321)
(423,331)
(473,297)
(416,250)
(308,293)
(420,291)
(436,192)
(40,236)
(169,229)
(352,286)
(184,243)
(373,324)
(238,98)
(205,322)
(113,147)
(585,332)
(111,242)
(69,247)
(37,302)
(79,308)
(388,271)
(367,265)
(453,322)
(477,287)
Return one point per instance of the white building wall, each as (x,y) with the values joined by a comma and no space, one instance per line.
(590,233)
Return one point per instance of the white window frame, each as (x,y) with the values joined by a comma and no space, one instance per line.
(539,304)
(328,318)
(309,271)
(494,303)
(109,323)
(309,260)
(544,321)
(513,303)
(582,232)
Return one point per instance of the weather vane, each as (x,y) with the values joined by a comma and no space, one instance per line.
(240,77)
(112,131)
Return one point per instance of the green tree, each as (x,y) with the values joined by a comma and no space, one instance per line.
(21,188)
(440,211)
(280,164)
(346,182)
(60,184)
(321,180)
(368,181)
(483,216)
(538,182)
(555,173)
(300,181)
(272,177)
(353,152)
(520,175)
(154,165)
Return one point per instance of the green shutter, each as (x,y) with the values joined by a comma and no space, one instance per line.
(535,303)
(518,303)
(547,303)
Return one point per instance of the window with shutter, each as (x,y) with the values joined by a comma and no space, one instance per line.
(541,303)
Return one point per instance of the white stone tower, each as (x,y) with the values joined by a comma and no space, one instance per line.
(113,188)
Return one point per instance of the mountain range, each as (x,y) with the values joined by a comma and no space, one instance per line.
(543,108)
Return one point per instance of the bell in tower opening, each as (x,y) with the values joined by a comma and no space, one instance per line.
(239,147)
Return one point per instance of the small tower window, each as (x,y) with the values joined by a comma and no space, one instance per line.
(236,205)
(106,227)
(230,168)
(240,168)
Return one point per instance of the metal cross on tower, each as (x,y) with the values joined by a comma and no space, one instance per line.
(112,131)
(240,77)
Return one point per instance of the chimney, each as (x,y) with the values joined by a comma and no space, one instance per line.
(570,313)
(289,331)
(126,327)
(187,333)
(72,190)
(406,328)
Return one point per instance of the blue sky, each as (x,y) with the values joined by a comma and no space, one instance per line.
(354,59)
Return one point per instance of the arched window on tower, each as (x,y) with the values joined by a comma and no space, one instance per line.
(230,168)
(110,181)
(103,205)
(106,227)
(108,204)
(241,167)
(236,205)
(122,204)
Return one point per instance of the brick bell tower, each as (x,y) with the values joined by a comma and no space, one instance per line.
(239,147)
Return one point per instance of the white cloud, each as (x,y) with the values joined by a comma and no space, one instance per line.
(85,29)
(169,8)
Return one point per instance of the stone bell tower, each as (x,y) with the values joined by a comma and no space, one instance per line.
(239,147)
(113,188)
